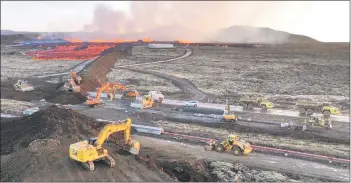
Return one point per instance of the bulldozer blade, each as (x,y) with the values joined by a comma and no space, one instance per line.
(133,150)
(28,88)
(208,148)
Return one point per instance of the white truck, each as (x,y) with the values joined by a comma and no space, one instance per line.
(157,96)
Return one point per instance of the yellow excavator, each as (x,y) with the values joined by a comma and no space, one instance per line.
(90,150)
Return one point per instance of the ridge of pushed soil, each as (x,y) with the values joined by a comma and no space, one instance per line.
(53,122)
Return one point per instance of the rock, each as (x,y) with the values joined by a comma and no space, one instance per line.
(38,145)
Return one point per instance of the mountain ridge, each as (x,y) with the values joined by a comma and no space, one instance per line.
(232,34)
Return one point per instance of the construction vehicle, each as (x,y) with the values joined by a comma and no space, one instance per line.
(157,96)
(70,85)
(249,102)
(231,144)
(316,121)
(146,102)
(96,102)
(311,107)
(228,115)
(113,87)
(130,94)
(77,79)
(90,150)
(23,86)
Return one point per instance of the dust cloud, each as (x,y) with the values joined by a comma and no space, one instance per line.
(197,21)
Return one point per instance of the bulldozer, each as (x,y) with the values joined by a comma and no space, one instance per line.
(23,86)
(229,116)
(146,102)
(90,150)
(231,144)
(316,121)
(130,94)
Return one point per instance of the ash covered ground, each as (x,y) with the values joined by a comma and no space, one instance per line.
(290,72)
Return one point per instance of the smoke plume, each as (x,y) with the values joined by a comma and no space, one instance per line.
(196,21)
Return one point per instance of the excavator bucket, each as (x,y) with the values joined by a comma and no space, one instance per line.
(134,147)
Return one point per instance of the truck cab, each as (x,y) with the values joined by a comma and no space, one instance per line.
(157,96)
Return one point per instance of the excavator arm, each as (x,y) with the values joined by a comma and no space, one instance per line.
(112,128)
(120,86)
(96,100)
(73,75)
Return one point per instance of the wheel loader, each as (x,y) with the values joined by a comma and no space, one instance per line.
(23,86)
(89,151)
(231,144)
(248,102)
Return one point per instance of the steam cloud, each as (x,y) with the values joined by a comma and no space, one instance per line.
(196,21)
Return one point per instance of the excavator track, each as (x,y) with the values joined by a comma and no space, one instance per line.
(110,161)
(89,165)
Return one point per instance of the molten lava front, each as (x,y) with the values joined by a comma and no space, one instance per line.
(70,52)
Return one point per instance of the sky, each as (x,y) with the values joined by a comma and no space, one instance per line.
(327,21)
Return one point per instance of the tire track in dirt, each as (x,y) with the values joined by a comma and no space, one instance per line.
(181,83)
(184,84)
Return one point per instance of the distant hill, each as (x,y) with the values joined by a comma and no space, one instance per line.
(233,34)
(246,34)
(12,38)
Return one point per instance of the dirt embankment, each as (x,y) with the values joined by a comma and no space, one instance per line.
(34,148)
(95,75)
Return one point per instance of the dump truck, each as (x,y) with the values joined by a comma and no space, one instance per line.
(157,96)
(23,86)
(90,150)
(311,107)
(231,144)
(248,102)
(146,102)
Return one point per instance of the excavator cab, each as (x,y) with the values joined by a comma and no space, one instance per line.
(92,140)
